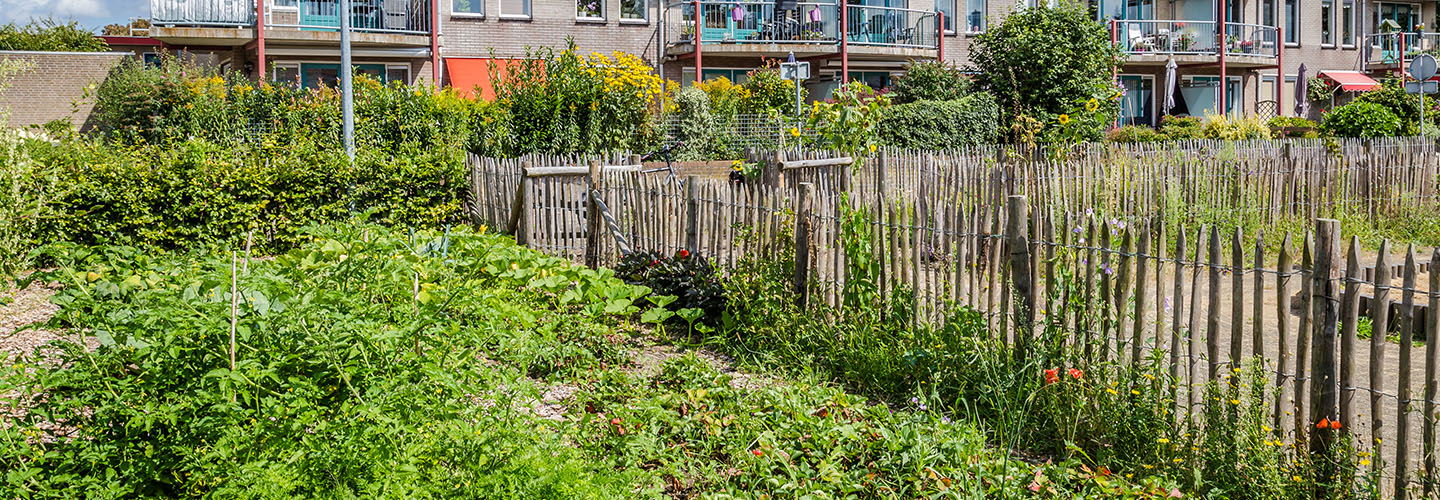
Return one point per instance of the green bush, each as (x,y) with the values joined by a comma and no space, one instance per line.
(1300,127)
(1406,107)
(934,125)
(1049,64)
(1361,119)
(562,102)
(929,81)
(768,92)
(1228,128)
(203,193)
(697,124)
(1133,134)
(1179,128)
(50,36)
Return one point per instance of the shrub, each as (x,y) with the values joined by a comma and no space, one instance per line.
(848,122)
(1234,128)
(930,81)
(1178,128)
(769,93)
(697,124)
(1045,62)
(726,98)
(970,120)
(690,278)
(51,36)
(1134,133)
(1361,119)
(1406,107)
(1297,126)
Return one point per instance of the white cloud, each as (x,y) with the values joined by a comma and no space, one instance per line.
(22,10)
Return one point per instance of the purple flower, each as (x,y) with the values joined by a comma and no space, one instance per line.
(945,419)
(1077,229)
(1109,270)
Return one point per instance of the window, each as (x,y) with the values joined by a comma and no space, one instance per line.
(1347,23)
(283,3)
(974,16)
(1201,94)
(1327,23)
(151,59)
(590,9)
(467,7)
(286,74)
(947,8)
(519,9)
(1137,108)
(1127,9)
(634,10)
(738,76)
(1267,12)
(1292,22)
(397,73)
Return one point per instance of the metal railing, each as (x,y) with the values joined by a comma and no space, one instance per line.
(1251,40)
(385,16)
(1382,49)
(756,22)
(892,26)
(817,23)
(203,12)
(1195,38)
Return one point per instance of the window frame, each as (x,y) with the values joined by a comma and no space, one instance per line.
(1155,116)
(1287,17)
(395,66)
(273,72)
(1327,21)
(602,18)
(526,16)
(472,15)
(1348,41)
(644,13)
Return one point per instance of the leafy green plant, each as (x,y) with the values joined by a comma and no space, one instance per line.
(1361,119)
(1042,61)
(690,279)
(1406,107)
(49,35)
(849,122)
(938,125)
(697,125)
(930,81)
(1230,128)
(1134,134)
(1177,128)
(768,93)
(1290,126)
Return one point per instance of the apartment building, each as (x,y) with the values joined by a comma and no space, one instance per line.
(1234,56)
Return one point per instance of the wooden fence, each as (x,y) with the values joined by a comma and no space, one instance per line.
(1016,235)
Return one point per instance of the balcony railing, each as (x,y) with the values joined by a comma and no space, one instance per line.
(202,12)
(809,23)
(1383,49)
(1170,37)
(385,16)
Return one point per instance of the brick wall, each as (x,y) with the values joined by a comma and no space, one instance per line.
(54,85)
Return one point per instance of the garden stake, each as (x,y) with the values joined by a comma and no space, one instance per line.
(248,235)
(234,305)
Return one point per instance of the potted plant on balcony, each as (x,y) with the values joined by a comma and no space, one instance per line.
(1184,42)
(1247,46)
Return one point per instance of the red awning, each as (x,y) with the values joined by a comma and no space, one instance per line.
(468,74)
(1352,81)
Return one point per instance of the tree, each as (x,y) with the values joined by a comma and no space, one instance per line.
(49,35)
(1054,66)
(930,81)
(126,29)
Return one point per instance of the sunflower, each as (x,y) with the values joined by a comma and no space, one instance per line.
(1092,105)
(1064,119)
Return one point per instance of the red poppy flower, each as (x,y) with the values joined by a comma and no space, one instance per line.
(1323,423)
(653,263)
(615,421)
(1335,424)
(758,453)
(684,253)
(1052,375)
(1076,373)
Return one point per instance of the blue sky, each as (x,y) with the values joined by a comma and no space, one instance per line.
(89,13)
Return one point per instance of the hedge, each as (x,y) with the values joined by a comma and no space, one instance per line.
(970,120)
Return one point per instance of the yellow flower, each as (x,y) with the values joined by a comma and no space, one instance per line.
(1135,392)
(794,131)
(1111,391)
(1364,462)
(1296,478)
(1064,119)
(1234,401)
(872,148)
(1163,440)
(1092,105)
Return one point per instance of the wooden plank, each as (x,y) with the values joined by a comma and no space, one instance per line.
(1178,310)
(1302,341)
(1237,300)
(1380,325)
(1142,278)
(843,161)
(1122,288)
(1349,321)
(1212,310)
(1325,312)
(1107,307)
(1432,376)
(1016,226)
(1402,413)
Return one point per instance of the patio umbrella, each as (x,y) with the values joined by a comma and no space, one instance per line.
(1169,86)
(1302,85)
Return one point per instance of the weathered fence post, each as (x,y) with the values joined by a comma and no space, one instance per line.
(518,205)
(1017,224)
(592,216)
(803,209)
(1325,314)
(692,213)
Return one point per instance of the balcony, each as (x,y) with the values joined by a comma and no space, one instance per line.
(1394,51)
(1157,41)
(222,22)
(774,29)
